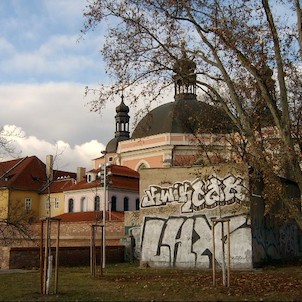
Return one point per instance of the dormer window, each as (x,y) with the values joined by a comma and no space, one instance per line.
(91,177)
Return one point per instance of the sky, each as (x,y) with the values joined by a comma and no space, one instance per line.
(45,65)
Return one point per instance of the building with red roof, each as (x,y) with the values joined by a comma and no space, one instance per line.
(23,181)
(121,191)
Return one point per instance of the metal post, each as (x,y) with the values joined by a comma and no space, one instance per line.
(47,243)
(101,252)
(229,253)
(91,252)
(214,223)
(104,216)
(57,257)
(213,254)
(223,255)
(41,256)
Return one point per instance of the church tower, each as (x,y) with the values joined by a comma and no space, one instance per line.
(121,127)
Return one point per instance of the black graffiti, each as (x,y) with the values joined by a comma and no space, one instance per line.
(181,241)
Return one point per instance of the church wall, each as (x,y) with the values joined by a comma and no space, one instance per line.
(149,161)
(139,143)
(177,205)
(90,194)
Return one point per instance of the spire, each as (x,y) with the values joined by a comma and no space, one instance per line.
(185,76)
(122,120)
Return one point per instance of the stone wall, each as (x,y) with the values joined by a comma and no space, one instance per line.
(74,244)
(29,257)
(73,234)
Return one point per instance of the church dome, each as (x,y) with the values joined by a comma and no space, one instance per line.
(122,108)
(185,115)
(111,146)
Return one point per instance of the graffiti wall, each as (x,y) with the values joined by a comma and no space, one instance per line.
(177,208)
(198,194)
(187,242)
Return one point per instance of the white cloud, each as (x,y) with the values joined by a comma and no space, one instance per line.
(66,157)
(55,111)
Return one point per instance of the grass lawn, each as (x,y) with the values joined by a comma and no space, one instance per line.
(128,282)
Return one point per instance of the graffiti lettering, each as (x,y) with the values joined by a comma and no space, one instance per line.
(187,241)
(198,194)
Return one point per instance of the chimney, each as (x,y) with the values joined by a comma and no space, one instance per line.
(49,167)
(80,173)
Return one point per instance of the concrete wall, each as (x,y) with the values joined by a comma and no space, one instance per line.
(175,224)
(177,205)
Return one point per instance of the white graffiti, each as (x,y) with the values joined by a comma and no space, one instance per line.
(198,194)
(187,241)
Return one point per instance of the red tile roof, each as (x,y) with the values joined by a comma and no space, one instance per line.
(58,186)
(27,173)
(90,216)
(121,177)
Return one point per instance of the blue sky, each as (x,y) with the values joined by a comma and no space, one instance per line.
(45,65)
(41,42)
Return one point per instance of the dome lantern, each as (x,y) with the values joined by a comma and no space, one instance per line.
(185,77)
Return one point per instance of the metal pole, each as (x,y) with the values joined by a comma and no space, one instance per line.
(47,243)
(229,254)
(223,254)
(91,251)
(57,257)
(101,253)
(213,254)
(41,256)
(104,215)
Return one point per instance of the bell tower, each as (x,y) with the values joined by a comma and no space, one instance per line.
(122,120)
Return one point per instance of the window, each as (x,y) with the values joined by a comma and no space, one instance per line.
(97,203)
(47,204)
(70,205)
(113,203)
(83,204)
(57,203)
(137,204)
(126,204)
(27,204)
(142,166)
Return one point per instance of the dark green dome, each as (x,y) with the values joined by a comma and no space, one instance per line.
(184,115)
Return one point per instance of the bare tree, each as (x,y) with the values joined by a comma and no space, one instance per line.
(248,61)
(8,136)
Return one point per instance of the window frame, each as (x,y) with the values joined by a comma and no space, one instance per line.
(27,203)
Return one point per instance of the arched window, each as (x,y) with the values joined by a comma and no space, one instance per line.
(83,204)
(142,166)
(70,205)
(137,204)
(126,204)
(113,203)
(97,203)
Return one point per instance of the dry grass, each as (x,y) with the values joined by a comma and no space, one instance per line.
(125,282)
